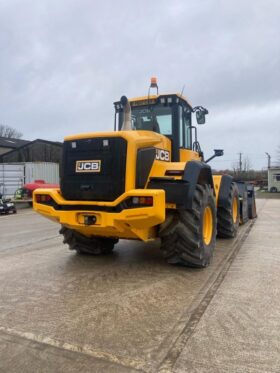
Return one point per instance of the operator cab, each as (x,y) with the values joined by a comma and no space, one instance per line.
(167,114)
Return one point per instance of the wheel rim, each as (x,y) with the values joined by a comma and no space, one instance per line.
(235,209)
(207,225)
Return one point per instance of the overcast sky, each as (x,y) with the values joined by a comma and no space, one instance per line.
(64,62)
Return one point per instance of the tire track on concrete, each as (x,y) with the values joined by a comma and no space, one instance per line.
(143,365)
(199,306)
(174,352)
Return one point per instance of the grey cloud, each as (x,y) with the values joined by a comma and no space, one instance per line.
(64,62)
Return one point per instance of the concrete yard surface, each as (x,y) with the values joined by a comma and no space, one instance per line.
(130,311)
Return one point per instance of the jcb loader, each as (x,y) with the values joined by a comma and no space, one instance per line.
(146,180)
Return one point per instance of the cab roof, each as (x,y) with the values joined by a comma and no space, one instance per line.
(156,97)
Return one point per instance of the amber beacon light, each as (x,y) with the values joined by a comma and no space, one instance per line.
(154,83)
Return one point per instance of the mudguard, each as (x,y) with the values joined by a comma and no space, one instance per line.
(196,173)
(181,192)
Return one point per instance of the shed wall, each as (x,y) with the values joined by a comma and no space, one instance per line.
(42,170)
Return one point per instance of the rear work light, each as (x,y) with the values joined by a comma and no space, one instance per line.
(43,198)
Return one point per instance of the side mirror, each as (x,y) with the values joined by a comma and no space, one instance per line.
(218,152)
(200,113)
(200,117)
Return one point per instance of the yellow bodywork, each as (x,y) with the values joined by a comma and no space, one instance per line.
(217,180)
(188,155)
(137,223)
(133,223)
(135,141)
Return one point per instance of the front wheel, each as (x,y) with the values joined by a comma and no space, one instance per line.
(188,237)
(87,245)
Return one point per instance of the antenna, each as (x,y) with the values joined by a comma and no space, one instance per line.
(181,94)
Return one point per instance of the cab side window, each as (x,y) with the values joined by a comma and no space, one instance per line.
(185,128)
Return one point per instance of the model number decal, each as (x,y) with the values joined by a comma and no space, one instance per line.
(88,166)
(162,155)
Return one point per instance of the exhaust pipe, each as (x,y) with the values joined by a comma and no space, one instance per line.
(127,121)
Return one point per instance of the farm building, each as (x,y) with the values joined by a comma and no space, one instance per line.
(30,151)
(9,144)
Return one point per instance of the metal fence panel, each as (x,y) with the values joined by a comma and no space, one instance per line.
(14,175)
(11,178)
(47,171)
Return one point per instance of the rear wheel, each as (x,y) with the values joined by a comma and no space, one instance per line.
(273,190)
(86,245)
(229,215)
(252,210)
(188,237)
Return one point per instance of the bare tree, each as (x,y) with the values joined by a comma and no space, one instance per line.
(247,165)
(242,169)
(235,168)
(9,132)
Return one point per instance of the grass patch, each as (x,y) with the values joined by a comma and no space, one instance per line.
(267,195)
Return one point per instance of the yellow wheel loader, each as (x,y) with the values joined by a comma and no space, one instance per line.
(146,180)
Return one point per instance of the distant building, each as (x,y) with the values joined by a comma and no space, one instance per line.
(15,150)
(273,179)
(8,144)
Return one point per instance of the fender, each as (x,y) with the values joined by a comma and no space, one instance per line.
(196,172)
(181,191)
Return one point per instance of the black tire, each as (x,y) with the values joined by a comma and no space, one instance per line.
(85,245)
(273,190)
(182,233)
(228,218)
(252,210)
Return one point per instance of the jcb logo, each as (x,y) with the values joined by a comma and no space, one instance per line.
(162,155)
(88,166)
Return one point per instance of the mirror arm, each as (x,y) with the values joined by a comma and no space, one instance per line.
(217,153)
(210,159)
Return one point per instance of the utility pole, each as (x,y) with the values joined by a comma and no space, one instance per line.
(240,162)
(268,160)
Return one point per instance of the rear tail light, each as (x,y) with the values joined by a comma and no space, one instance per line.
(43,198)
(142,201)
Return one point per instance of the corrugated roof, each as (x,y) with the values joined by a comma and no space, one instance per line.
(6,142)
